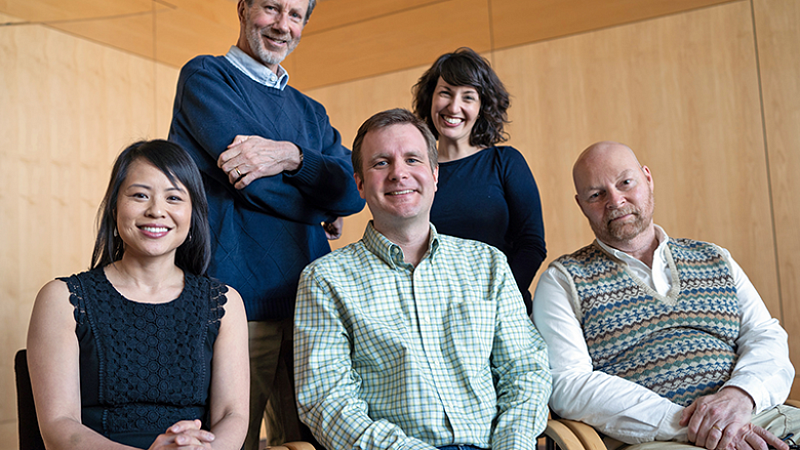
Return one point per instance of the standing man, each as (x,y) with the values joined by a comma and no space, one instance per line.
(408,338)
(655,341)
(274,170)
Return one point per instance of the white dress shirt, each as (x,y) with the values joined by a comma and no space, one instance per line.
(625,410)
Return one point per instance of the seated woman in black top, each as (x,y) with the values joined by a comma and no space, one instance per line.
(121,356)
(485,192)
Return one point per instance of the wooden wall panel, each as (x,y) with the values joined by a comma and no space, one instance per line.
(75,105)
(330,14)
(516,22)
(386,44)
(682,91)
(778,32)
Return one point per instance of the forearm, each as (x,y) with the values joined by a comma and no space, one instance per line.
(70,434)
(763,369)
(229,432)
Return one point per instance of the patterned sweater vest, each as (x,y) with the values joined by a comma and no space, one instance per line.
(682,345)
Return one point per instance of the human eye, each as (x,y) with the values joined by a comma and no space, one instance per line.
(593,196)
(138,195)
(379,164)
(296,15)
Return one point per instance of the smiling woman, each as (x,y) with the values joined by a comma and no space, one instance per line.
(144,350)
(465,105)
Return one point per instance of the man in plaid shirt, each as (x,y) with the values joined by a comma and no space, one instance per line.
(408,339)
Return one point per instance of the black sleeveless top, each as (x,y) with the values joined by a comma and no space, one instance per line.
(144,366)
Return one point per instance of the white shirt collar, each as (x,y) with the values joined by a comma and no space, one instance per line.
(256,71)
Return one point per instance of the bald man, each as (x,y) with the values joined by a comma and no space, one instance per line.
(656,341)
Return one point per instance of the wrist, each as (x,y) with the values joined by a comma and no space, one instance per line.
(295,160)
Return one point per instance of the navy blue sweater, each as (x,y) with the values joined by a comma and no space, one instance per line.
(265,234)
(491,197)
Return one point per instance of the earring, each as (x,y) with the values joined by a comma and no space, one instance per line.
(115,232)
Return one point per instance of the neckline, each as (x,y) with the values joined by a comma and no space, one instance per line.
(466,158)
(135,302)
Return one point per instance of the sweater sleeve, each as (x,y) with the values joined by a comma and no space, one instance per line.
(212,107)
(525,225)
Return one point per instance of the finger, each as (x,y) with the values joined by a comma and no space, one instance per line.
(686,414)
(245,180)
(184,425)
(770,439)
(238,140)
(713,437)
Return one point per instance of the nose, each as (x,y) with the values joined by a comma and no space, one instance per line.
(155,208)
(282,23)
(615,199)
(398,172)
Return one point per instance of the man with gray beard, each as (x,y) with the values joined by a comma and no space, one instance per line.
(655,341)
(277,179)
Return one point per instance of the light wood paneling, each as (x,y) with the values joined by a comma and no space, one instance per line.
(778,32)
(515,22)
(330,14)
(60,10)
(75,105)
(682,91)
(179,35)
(385,44)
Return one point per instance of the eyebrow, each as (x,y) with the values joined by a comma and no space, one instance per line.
(148,187)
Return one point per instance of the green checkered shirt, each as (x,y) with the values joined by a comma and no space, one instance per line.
(388,356)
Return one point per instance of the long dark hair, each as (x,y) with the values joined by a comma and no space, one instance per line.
(194,254)
(464,67)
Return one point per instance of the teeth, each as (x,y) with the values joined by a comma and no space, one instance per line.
(452,120)
(407,191)
(155,229)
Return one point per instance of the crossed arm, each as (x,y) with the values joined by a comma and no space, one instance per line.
(308,185)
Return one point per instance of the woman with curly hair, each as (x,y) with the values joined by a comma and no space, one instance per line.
(486,192)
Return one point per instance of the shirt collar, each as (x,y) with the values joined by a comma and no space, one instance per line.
(256,71)
(661,237)
(391,253)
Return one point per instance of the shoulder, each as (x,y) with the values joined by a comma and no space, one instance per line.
(691,245)
(471,250)
(204,62)
(308,101)
(338,259)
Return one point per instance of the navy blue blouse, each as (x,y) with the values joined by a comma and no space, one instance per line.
(491,197)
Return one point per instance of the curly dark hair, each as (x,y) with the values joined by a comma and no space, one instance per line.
(194,255)
(464,67)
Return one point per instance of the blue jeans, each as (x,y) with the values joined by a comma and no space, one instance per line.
(459,447)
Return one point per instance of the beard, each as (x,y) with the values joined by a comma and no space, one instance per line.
(613,231)
(255,38)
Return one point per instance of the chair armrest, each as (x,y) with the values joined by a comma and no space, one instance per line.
(587,435)
(298,445)
(563,437)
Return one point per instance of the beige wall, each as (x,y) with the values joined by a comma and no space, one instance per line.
(709,99)
(67,108)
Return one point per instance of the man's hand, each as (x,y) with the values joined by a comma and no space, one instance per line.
(722,421)
(249,158)
(333,229)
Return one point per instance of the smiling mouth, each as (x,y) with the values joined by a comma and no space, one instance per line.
(452,120)
(155,229)
(407,191)
(276,40)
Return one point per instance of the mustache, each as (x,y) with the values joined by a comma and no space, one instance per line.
(630,209)
(278,37)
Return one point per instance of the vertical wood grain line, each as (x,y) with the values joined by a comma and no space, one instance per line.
(766,158)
